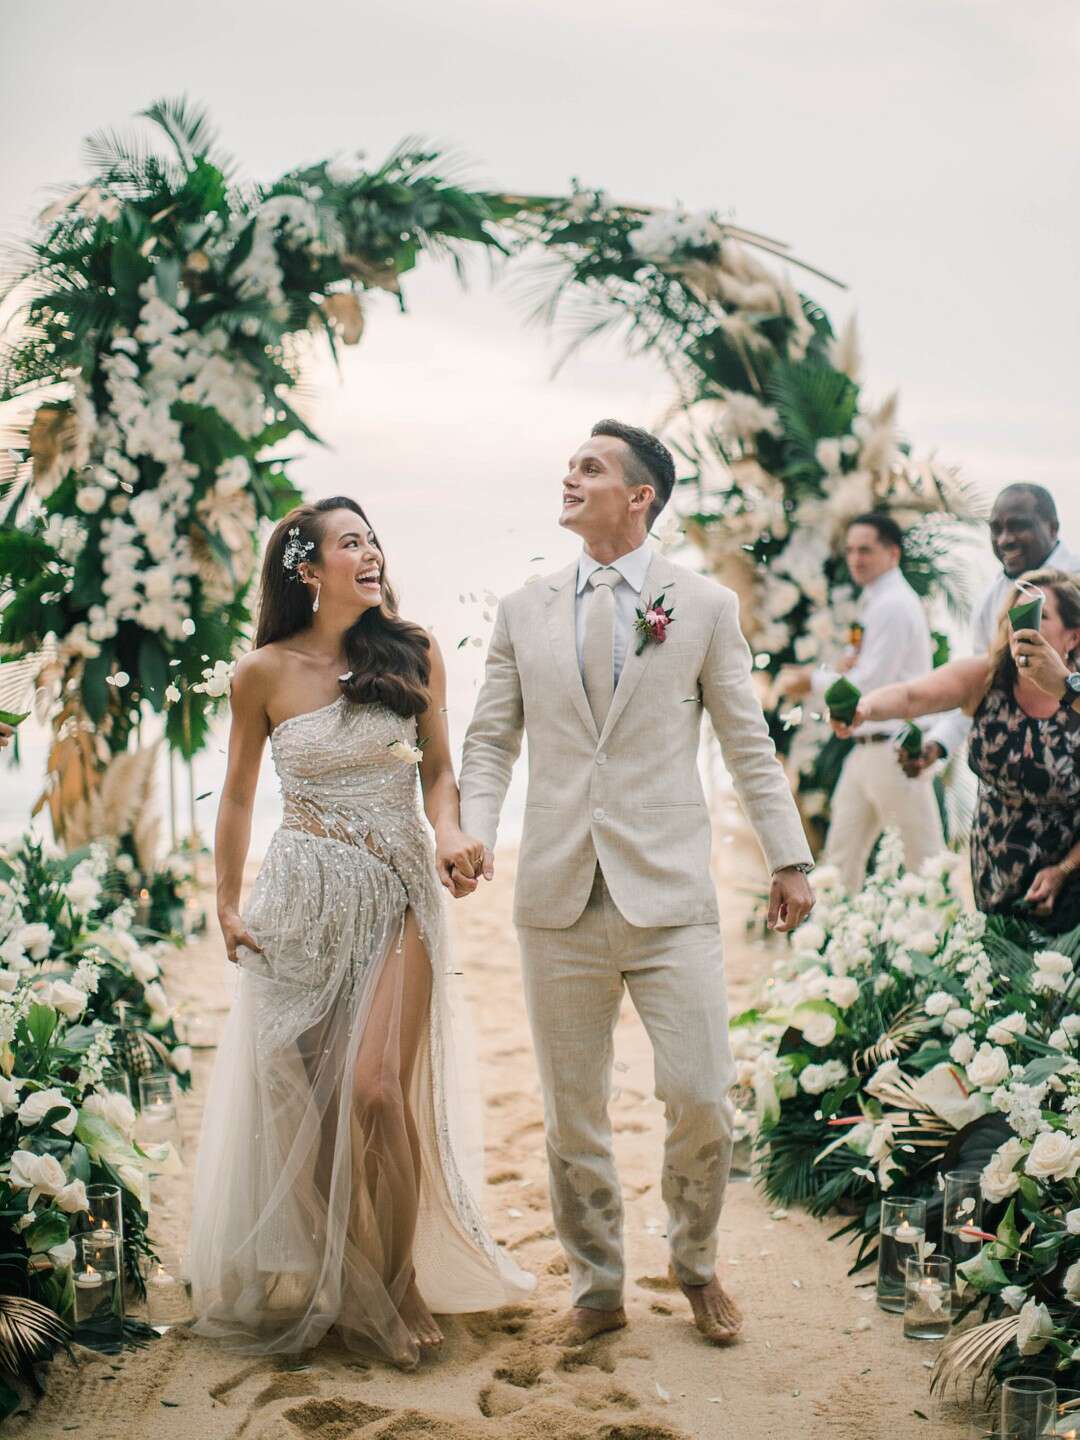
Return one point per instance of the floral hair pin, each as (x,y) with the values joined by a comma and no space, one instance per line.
(296,551)
(652,622)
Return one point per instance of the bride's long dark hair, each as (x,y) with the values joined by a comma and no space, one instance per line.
(389,657)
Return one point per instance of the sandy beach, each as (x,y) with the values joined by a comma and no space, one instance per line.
(818,1359)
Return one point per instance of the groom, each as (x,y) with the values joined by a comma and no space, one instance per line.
(613,884)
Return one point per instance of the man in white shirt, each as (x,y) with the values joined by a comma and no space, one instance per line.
(1024,536)
(873,792)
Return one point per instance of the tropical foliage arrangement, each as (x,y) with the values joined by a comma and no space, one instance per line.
(904,1038)
(782,446)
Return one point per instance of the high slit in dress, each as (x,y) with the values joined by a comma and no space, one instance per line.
(305,1168)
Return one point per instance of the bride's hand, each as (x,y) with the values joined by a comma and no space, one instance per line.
(236,933)
(459,860)
(845,731)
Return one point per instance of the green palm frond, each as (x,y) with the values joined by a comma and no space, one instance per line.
(189,129)
(813,401)
(29,1332)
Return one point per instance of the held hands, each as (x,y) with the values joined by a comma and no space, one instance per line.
(914,765)
(790,899)
(460,861)
(236,933)
(1038,661)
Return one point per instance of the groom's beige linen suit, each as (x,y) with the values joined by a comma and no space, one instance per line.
(614,888)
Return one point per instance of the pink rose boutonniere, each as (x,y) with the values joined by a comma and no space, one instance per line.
(652,622)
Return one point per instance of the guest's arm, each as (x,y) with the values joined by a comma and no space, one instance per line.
(492,741)
(957,684)
(1043,892)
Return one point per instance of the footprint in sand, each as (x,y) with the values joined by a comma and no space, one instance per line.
(657,1282)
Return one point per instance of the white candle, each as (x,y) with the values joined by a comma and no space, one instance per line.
(907,1234)
(160,1276)
(89,1279)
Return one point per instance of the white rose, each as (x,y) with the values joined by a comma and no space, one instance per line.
(1071,1284)
(962,1049)
(999,1179)
(1054,1156)
(13,954)
(83,889)
(63,997)
(1072,1222)
(1058,1039)
(957,1019)
(842,990)
(8,981)
(939,1003)
(1071,1025)
(810,936)
(818,1026)
(1035,1328)
(157,999)
(988,1067)
(144,967)
(1044,981)
(1004,1032)
(1014,1296)
(36,940)
(40,1174)
(72,1197)
(406,753)
(37,1105)
(9,1096)
(62,1255)
(110,1105)
(1052,962)
(180,1059)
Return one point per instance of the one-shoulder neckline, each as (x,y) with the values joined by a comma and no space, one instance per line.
(304,715)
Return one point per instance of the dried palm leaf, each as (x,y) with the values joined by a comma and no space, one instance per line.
(29,1332)
(906,1028)
(972,1355)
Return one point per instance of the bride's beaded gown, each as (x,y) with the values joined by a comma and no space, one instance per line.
(306,1182)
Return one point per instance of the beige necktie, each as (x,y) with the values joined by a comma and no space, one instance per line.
(598,651)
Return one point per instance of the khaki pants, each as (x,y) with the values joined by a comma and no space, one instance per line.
(574,982)
(872,794)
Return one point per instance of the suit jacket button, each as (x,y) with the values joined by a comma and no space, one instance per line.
(598,814)
(601,759)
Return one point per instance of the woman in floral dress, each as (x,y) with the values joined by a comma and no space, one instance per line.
(1024,747)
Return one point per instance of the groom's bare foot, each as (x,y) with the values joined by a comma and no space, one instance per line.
(419,1318)
(582,1324)
(716,1315)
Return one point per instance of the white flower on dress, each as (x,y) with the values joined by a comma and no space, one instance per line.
(406,753)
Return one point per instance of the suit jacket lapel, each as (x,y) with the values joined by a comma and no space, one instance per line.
(659,577)
(562,631)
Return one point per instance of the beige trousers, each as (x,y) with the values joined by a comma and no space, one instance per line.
(872,794)
(574,982)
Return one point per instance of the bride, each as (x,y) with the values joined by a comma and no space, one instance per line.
(335,1184)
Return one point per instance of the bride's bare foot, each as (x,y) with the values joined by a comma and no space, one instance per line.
(581,1324)
(716,1315)
(419,1318)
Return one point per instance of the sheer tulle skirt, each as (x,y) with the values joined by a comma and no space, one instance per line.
(340,1152)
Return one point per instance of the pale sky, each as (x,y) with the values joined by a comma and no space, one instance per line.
(923,151)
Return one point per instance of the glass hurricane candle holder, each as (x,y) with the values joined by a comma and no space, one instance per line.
(901,1233)
(742,1133)
(1028,1408)
(961,1216)
(105,1211)
(1066,1424)
(99,1291)
(116,1080)
(927,1298)
(158,1122)
(168,1298)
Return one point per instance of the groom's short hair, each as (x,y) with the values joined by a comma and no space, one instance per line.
(650,461)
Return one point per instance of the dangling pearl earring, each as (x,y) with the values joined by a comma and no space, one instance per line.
(318,592)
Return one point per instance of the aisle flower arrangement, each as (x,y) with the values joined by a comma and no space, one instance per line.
(781,445)
(66,941)
(903,1038)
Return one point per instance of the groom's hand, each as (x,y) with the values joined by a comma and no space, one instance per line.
(790,899)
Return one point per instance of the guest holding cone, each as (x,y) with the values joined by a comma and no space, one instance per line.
(1024,702)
